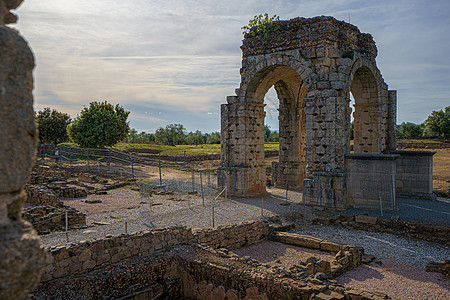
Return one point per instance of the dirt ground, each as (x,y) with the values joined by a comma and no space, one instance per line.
(397,280)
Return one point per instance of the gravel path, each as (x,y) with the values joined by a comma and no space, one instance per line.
(167,210)
(383,246)
(400,281)
(399,269)
(401,273)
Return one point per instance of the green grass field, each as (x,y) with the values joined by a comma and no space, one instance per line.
(209,148)
(179,149)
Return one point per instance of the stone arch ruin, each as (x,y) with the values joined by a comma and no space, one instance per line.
(314,64)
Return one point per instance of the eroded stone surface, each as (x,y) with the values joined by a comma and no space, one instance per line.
(22,257)
(313,64)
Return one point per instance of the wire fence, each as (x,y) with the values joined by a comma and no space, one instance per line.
(441,187)
(187,177)
(177,176)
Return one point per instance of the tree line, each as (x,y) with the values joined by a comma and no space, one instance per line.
(437,125)
(103,125)
(171,135)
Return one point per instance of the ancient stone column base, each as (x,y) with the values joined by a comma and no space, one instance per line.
(242,181)
(326,189)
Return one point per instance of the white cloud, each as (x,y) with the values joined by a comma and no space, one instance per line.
(182,58)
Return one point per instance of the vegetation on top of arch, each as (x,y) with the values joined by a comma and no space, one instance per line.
(261,25)
(350,53)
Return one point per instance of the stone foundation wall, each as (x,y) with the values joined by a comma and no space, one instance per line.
(414,174)
(347,257)
(405,145)
(193,272)
(46,218)
(67,190)
(371,179)
(40,195)
(325,189)
(82,257)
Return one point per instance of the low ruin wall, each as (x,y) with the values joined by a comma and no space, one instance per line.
(40,195)
(403,145)
(85,256)
(46,219)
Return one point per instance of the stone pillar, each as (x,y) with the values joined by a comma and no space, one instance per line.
(292,144)
(22,257)
(392,120)
(242,168)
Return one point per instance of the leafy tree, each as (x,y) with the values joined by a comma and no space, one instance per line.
(52,126)
(213,138)
(145,138)
(261,25)
(132,136)
(266,133)
(438,123)
(410,130)
(398,133)
(99,125)
(172,134)
(274,137)
(139,138)
(195,138)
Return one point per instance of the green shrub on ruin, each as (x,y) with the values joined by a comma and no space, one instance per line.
(261,26)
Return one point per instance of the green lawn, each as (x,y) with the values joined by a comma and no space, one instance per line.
(208,148)
(179,149)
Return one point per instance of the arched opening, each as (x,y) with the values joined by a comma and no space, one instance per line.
(366,113)
(290,92)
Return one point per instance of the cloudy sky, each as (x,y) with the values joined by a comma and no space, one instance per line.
(175,61)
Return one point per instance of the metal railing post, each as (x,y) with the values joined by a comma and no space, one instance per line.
(67,227)
(201,187)
(132,166)
(193,188)
(209,177)
(234,182)
(393,191)
(109,160)
(287,184)
(159,167)
(381,205)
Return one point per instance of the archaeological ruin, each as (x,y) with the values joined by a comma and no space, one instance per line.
(314,64)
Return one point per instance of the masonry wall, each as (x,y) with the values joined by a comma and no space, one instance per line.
(313,65)
(83,257)
(371,180)
(415,173)
(48,218)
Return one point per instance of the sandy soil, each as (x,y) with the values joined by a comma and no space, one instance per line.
(275,253)
(397,280)
(115,200)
